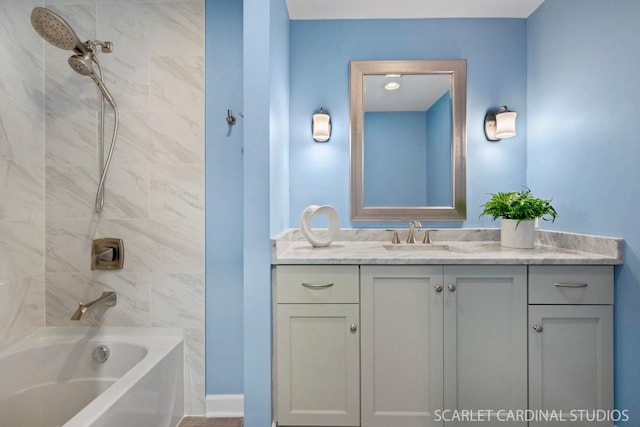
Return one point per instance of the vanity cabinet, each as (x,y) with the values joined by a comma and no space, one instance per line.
(317,349)
(570,341)
(402,344)
(435,338)
(485,340)
(405,345)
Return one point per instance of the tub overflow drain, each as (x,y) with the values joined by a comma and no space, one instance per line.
(100,354)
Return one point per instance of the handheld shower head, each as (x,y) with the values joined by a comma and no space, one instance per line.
(55,30)
(82,64)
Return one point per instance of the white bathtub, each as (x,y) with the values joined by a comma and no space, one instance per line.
(49,379)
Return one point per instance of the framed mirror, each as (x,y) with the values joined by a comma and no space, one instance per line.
(408,140)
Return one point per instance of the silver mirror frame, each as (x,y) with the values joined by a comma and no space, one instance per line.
(458,70)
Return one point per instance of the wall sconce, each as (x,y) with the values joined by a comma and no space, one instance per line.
(321,126)
(501,124)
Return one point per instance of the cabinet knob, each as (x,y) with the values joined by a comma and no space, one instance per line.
(353,328)
(438,288)
(451,287)
(538,328)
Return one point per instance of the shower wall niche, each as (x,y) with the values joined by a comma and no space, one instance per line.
(154,197)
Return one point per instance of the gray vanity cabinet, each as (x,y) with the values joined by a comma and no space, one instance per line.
(485,341)
(570,342)
(317,353)
(437,338)
(412,345)
(402,340)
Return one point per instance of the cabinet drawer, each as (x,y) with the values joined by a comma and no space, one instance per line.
(570,284)
(317,284)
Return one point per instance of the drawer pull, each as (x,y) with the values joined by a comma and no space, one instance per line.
(317,285)
(571,285)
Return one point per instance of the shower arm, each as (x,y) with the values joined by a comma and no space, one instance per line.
(90,46)
(105,47)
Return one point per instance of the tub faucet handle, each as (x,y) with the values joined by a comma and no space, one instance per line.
(107,254)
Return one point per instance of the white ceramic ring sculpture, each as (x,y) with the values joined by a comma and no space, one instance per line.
(322,237)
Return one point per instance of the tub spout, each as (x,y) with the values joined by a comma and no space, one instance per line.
(107,299)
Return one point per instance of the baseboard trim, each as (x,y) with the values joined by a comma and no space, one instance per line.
(225,405)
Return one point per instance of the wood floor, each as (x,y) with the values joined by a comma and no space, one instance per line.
(211,422)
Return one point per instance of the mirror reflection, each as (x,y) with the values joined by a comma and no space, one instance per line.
(408,144)
(407,123)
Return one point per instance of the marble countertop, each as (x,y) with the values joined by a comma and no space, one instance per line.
(449,246)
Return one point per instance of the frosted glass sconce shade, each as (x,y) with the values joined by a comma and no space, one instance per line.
(321,126)
(501,124)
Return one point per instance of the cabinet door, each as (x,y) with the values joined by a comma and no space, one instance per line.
(318,364)
(485,342)
(401,342)
(570,360)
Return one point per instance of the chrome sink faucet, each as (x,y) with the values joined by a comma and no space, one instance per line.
(411,238)
(108,299)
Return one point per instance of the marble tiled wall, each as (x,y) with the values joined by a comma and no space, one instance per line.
(154,197)
(155,189)
(21,173)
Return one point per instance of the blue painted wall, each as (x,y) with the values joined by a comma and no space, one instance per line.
(396,141)
(439,153)
(320,53)
(266,43)
(248,196)
(583,105)
(279,121)
(224,200)
(585,159)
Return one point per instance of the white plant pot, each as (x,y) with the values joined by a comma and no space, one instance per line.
(514,235)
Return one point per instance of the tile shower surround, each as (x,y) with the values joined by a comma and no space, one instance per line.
(154,196)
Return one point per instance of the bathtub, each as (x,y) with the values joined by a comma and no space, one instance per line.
(52,378)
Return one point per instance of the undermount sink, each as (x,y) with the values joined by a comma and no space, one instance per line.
(419,247)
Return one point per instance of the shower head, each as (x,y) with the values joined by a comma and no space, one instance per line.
(82,64)
(55,30)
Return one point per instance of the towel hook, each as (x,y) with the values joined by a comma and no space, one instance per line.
(231,120)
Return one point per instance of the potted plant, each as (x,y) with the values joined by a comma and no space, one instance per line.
(518,210)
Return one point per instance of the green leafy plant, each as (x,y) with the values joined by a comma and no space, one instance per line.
(519,205)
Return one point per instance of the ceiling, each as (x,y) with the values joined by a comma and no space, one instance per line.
(416,92)
(389,9)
